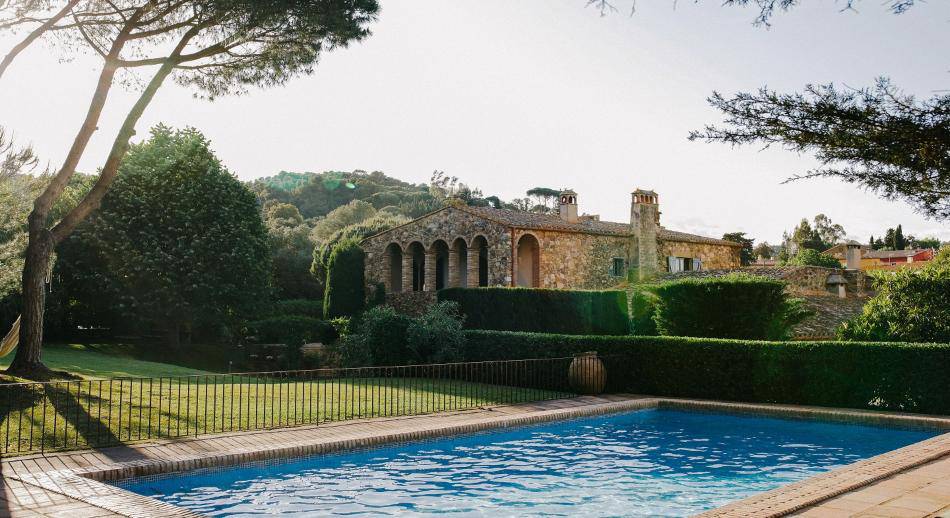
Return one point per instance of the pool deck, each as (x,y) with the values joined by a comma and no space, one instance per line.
(913,481)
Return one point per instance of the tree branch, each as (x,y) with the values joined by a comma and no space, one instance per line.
(34,35)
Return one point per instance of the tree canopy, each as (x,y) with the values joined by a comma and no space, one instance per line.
(746,254)
(877,138)
(911,305)
(179,240)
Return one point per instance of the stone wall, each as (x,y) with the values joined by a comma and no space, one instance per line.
(713,256)
(446,225)
(570,260)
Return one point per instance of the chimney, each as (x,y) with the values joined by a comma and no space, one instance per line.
(568,206)
(644,222)
(852,255)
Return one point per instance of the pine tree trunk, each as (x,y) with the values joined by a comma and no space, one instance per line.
(28,362)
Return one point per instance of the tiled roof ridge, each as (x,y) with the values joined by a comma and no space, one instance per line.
(553,222)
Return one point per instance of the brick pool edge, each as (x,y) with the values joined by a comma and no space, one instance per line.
(81,476)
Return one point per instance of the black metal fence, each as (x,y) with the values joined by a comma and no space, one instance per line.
(64,415)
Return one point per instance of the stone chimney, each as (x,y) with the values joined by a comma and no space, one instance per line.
(568,206)
(644,223)
(852,255)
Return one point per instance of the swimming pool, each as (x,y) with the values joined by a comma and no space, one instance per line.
(646,462)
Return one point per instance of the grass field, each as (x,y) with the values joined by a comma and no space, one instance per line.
(156,400)
(115,360)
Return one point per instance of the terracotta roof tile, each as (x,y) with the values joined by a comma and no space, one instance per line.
(889,254)
(537,221)
(534,220)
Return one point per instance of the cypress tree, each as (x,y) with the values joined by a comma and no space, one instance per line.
(344,294)
(899,242)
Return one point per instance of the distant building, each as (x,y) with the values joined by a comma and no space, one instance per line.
(882,259)
(482,246)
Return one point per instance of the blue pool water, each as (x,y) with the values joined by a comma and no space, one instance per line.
(643,463)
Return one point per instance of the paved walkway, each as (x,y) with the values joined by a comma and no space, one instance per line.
(923,491)
(912,481)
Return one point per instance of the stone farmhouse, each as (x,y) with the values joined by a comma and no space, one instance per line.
(482,246)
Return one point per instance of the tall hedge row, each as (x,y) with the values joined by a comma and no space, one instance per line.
(906,377)
(556,311)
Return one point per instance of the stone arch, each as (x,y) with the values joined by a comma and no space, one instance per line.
(414,279)
(528,274)
(394,267)
(440,251)
(458,270)
(478,270)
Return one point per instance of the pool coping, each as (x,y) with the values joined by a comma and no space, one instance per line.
(82,476)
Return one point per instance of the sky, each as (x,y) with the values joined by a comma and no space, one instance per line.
(512,95)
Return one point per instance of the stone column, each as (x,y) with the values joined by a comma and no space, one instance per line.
(407,272)
(429,284)
(474,257)
(453,268)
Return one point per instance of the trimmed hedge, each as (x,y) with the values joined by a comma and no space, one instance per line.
(293,330)
(735,306)
(907,377)
(302,307)
(572,312)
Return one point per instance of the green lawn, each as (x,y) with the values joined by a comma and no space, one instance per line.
(103,361)
(162,400)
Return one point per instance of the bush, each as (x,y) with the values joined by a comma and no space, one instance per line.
(910,306)
(809,257)
(379,339)
(734,306)
(344,295)
(884,376)
(292,330)
(437,335)
(555,311)
(385,337)
(302,307)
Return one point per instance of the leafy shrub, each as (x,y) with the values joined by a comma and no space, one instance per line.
(302,307)
(344,295)
(809,257)
(528,309)
(910,305)
(386,337)
(437,335)
(292,330)
(379,339)
(734,306)
(884,375)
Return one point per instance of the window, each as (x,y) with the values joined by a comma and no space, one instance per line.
(617,267)
(683,264)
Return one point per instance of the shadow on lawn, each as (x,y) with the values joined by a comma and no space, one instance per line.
(86,426)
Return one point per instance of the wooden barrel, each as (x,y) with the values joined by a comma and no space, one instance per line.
(587,374)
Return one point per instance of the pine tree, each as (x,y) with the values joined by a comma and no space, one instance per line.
(889,239)
(899,242)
